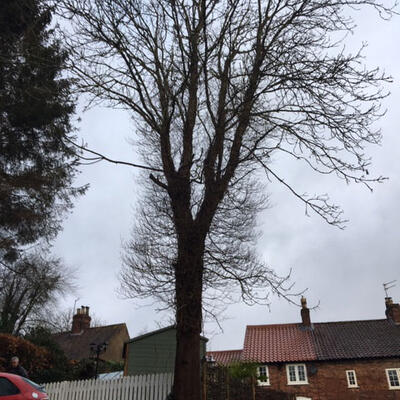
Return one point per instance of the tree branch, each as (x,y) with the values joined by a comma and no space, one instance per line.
(101,157)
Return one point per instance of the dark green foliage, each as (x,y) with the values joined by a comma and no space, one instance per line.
(45,360)
(111,366)
(59,368)
(231,383)
(37,165)
(86,369)
(240,370)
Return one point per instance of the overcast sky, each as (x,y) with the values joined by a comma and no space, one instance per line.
(343,270)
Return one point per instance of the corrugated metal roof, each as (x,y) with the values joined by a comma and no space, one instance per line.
(110,375)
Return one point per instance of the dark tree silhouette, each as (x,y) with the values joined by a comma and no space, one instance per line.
(216,89)
(37,165)
(29,291)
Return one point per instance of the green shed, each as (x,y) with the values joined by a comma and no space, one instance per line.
(154,352)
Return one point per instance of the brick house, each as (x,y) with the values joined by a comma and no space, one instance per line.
(76,343)
(327,360)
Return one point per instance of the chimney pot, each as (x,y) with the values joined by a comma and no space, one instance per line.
(81,320)
(392,310)
(305,313)
(303,302)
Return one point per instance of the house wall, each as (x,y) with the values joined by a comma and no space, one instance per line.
(115,346)
(330,382)
(153,353)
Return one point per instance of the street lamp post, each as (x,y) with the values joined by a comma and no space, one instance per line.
(96,350)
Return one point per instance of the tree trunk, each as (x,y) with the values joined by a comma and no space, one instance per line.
(188,274)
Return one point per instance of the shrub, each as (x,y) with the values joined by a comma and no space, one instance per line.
(33,358)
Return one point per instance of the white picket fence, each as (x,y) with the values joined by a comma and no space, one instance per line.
(139,387)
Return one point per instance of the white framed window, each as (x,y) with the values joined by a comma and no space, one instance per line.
(351,379)
(263,375)
(393,377)
(296,374)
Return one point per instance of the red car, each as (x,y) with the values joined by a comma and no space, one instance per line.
(15,387)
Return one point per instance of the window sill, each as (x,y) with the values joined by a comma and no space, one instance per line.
(297,383)
(394,387)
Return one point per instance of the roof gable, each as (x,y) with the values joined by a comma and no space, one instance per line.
(77,346)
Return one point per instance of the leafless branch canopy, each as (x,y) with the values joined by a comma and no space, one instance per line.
(232,270)
(216,88)
(29,288)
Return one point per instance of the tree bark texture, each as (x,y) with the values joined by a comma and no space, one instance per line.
(188,274)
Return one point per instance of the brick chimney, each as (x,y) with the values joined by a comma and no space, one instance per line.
(81,320)
(392,310)
(305,313)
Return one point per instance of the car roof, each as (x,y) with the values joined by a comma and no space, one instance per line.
(8,375)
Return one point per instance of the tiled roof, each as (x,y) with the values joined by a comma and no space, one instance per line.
(325,341)
(77,346)
(274,343)
(357,339)
(225,357)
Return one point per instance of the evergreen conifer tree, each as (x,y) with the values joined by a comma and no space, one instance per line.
(37,164)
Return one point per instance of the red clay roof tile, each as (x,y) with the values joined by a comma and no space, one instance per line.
(274,343)
(324,341)
(225,357)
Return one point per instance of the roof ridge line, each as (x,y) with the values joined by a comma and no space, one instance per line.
(220,351)
(315,323)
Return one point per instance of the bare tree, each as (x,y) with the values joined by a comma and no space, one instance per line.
(216,88)
(29,288)
(231,272)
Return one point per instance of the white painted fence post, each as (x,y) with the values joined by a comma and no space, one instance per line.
(139,387)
